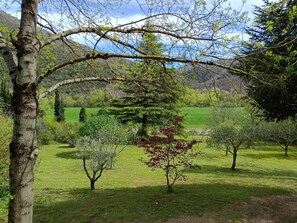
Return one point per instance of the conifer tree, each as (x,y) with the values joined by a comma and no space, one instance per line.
(271,58)
(150,97)
(82,115)
(59,108)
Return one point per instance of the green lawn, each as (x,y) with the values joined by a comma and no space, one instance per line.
(194,117)
(133,193)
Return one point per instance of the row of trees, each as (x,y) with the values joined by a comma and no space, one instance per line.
(236,128)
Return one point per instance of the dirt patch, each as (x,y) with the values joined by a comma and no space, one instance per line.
(272,209)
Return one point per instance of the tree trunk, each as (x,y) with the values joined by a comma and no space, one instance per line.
(92,184)
(286,150)
(234,159)
(23,152)
(23,147)
(142,132)
(169,186)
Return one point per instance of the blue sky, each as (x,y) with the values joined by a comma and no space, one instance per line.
(126,12)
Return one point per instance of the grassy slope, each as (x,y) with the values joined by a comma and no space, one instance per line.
(132,193)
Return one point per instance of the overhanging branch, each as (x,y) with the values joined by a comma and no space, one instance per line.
(74,81)
(106,56)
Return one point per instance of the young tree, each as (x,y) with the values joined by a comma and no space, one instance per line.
(231,138)
(284,133)
(196,32)
(232,130)
(101,147)
(82,115)
(271,59)
(59,108)
(169,154)
(92,151)
(153,101)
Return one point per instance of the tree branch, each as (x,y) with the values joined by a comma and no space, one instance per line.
(106,56)
(9,56)
(74,81)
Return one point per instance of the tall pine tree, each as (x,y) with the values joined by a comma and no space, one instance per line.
(271,59)
(152,91)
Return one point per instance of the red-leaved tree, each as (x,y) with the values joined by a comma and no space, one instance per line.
(170,154)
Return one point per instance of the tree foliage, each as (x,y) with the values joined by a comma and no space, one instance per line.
(5,98)
(59,108)
(284,133)
(271,59)
(170,154)
(82,115)
(231,131)
(151,96)
(99,147)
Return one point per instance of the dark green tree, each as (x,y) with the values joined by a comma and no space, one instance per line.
(271,59)
(5,98)
(59,108)
(152,91)
(82,115)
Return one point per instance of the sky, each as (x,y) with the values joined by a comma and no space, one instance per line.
(128,11)
(132,10)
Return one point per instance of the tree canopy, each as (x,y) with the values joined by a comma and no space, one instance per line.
(271,59)
(151,96)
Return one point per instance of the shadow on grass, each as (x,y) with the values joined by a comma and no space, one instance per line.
(280,155)
(67,155)
(243,173)
(142,204)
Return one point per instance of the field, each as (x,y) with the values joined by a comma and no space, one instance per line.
(194,117)
(131,192)
(263,189)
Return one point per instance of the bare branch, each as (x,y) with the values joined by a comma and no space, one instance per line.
(106,56)
(75,81)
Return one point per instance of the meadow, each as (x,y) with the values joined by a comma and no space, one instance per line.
(194,117)
(131,192)
(262,189)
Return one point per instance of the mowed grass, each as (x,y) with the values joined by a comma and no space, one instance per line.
(195,117)
(131,192)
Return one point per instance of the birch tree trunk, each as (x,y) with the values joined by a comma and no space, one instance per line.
(23,147)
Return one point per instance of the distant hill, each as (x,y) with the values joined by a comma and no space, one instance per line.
(62,53)
(12,23)
(204,77)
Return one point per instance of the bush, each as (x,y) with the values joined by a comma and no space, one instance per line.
(66,133)
(5,137)
(44,132)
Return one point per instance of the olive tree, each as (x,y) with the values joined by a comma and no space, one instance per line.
(233,128)
(100,149)
(194,31)
(284,133)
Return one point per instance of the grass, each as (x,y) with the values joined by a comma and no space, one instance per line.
(131,192)
(197,117)
(194,117)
